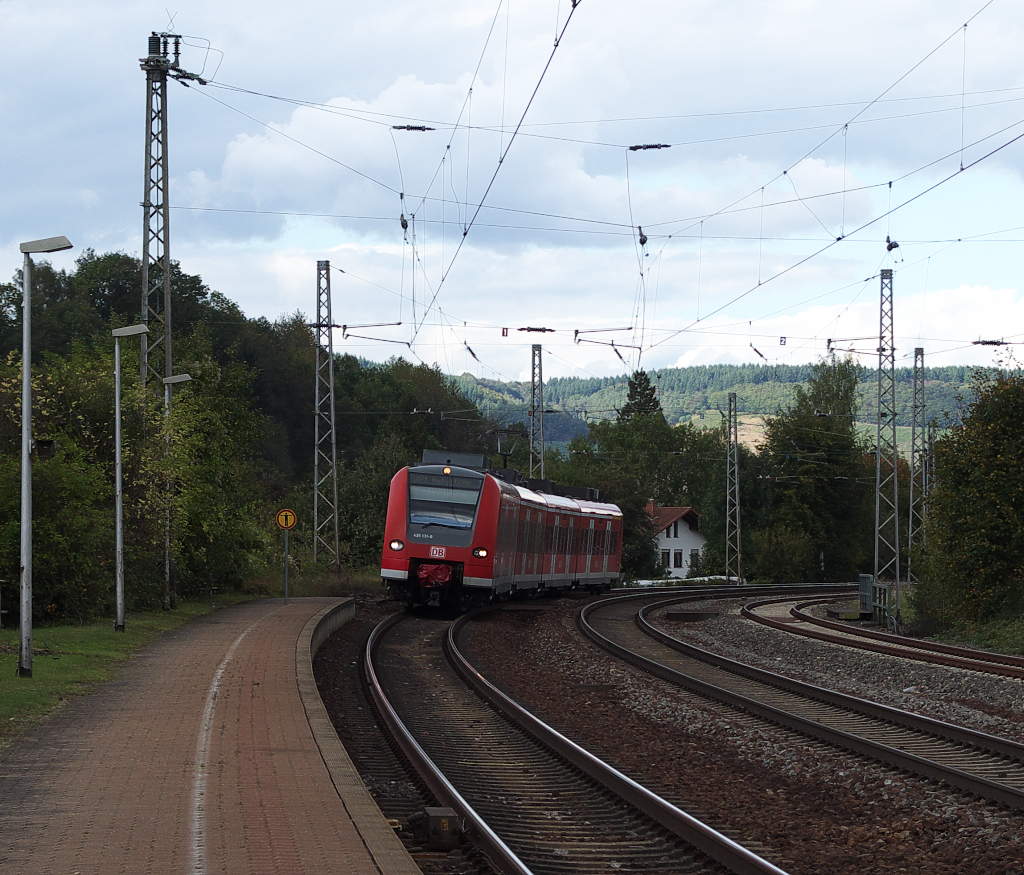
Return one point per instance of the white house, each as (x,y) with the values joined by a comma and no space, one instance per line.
(679,542)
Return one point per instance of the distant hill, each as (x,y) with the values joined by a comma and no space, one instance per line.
(699,393)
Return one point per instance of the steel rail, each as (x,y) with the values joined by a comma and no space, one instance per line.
(474,826)
(892,756)
(1006,665)
(740,591)
(701,836)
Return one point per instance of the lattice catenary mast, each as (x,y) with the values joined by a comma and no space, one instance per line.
(887,524)
(918,463)
(325,453)
(537,413)
(157,360)
(733,532)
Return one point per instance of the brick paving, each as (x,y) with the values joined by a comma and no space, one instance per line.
(201,757)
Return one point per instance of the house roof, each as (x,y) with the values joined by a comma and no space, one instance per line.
(663,517)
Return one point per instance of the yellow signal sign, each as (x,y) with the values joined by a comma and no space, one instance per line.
(286,519)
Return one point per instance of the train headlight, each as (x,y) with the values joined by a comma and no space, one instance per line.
(397,545)
(480,553)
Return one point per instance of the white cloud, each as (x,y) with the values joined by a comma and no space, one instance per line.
(742,91)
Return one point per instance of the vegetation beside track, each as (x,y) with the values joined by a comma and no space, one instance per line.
(999,636)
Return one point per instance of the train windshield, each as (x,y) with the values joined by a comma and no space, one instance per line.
(443,500)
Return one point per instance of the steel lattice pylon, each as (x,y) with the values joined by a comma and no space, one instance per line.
(325,455)
(537,413)
(929,466)
(156,360)
(733,532)
(887,524)
(918,463)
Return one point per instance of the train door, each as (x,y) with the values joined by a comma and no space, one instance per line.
(564,568)
(589,551)
(505,543)
(551,545)
(615,546)
(531,543)
(596,547)
(570,548)
(522,542)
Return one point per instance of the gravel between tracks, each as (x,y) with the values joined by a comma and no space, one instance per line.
(812,808)
(988,703)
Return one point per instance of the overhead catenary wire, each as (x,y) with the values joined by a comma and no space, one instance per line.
(624,229)
(866,224)
(295,140)
(501,160)
(761,237)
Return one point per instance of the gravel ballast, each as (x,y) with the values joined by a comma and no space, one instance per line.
(808,807)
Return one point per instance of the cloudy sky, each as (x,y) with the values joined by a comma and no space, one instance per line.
(800,135)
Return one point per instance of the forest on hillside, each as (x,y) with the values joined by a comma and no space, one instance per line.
(238,446)
(701,392)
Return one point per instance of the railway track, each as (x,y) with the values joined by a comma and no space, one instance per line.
(980,764)
(533,801)
(878,642)
(399,792)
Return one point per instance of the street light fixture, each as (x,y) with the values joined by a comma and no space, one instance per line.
(118,333)
(49,244)
(168,383)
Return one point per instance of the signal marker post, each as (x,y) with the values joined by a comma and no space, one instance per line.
(286,520)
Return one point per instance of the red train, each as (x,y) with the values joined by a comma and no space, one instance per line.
(462,538)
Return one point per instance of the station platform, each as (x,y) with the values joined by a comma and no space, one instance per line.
(210,752)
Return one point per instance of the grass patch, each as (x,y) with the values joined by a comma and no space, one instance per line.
(1000,636)
(71,660)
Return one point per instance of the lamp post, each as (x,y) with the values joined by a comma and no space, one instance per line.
(50,244)
(168,383)
(118,333)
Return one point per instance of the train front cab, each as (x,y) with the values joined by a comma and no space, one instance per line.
(439,536)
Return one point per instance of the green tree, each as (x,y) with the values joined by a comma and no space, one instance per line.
(72,492)
(973,567)
(819,482)
(212,471)
(641,399)
(627,460)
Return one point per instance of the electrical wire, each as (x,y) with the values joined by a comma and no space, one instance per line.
(867,224)
(298,142)
(501,161)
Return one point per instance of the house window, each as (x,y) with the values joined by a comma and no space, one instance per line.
(664,558)
(678,559)
(675,530)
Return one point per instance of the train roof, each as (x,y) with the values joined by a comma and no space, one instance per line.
(545,499)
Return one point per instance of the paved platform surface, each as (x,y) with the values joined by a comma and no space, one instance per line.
(211,752)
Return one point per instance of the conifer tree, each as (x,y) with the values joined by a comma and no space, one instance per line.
(641,399)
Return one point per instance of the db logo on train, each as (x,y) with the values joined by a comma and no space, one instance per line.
(437,552)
